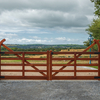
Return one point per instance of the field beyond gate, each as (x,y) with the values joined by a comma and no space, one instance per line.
(51,67)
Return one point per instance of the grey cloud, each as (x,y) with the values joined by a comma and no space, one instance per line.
(71,6)
(63,5)
(43,18)
(55,14)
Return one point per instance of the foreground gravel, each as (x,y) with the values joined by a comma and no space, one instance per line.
(49,90)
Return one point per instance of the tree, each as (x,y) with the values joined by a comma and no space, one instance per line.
(97,7)
(94,28)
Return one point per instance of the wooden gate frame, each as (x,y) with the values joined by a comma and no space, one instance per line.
(24,60)
(53,77)
(49,75)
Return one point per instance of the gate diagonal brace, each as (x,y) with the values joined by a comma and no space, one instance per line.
(76,57)
(21,58)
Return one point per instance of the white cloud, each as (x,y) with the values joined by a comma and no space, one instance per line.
(60,38)
(9,35)
(43,17)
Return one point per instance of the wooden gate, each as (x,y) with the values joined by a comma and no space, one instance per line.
(57,71)
(24,68)
(51,67)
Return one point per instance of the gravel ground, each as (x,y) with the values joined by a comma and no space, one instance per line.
(49,90)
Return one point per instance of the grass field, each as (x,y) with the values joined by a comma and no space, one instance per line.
(55,56)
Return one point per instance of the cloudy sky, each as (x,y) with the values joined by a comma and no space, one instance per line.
(45,21)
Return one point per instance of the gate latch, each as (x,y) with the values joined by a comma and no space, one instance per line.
(2,77)
(97,77)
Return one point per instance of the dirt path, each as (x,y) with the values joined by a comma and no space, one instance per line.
(44,68)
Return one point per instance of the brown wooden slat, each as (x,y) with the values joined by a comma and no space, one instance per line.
(26,77)
(36,65)
(73,52)
(23,65)
(62,58)
(74,64)
(35,71)
(73,78)
(11,70)
(0,59)
(62,64)
(35,52)
(86,64)
(62,70)
(22,70)
(86,70)
(50,65)
(35,58)
(76,71)
(13,52)
(87,58)
(19,52)
(11,59)
(11,64)
(25,58)
(46,58)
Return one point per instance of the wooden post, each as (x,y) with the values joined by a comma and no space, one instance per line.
(50,64)
(97,42)
(48,67)
(0,61)
(75,65)
(99,61)
(23,67)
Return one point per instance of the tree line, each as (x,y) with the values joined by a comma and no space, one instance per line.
(94,27)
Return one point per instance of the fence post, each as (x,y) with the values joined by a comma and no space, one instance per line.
(50,64)
(99,62)
(23,67)
(74,65)
(97,42)
(0,61)
(48,67)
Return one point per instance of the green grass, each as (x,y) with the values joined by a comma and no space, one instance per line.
(94,67)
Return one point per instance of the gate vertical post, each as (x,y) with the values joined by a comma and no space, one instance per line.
(0,61)
(97,42)
(50,64)
(48,67)
(99,61)
(74,65)
(23,67)
(99,65)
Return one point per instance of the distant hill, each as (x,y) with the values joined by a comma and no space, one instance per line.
(28,46)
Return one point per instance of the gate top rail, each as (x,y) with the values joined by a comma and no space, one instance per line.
(20,52)
(75,52)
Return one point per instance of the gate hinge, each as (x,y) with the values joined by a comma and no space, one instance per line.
(2,77)
(97,77)
(97,53)
(52,53)
(2,52)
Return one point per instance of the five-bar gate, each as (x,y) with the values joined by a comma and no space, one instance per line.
(51,67)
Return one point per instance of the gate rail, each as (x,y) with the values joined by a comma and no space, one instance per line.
(26,63)
(74,59)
